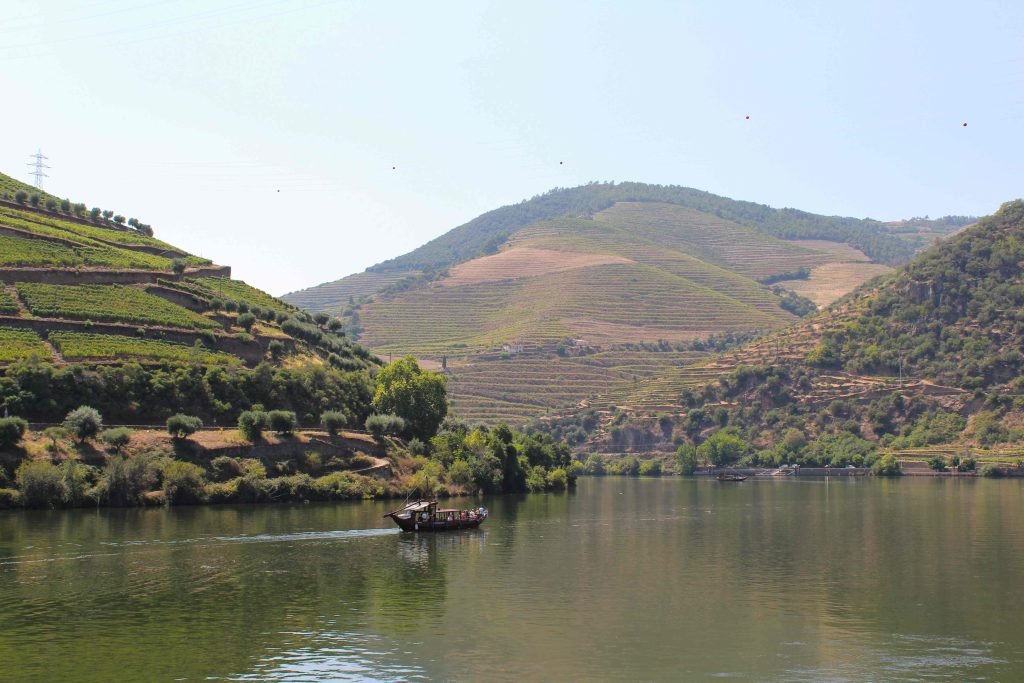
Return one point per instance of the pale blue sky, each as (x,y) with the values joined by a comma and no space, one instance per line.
(192,115)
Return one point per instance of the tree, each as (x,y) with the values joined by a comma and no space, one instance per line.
(95,212)
(181,426)
(251,424)
(418,396)
(51,204)
(333,421)
(381,425)
(276,348)
(246,321)
(119,219)
(723,447)
(83,422)
(65,205)
(12,430)
(178,266)
(117,438)
(282,422)
(54,434)
(33,199)
(686,457)
(21,196)
(107,214)
(335,324)
(321,318)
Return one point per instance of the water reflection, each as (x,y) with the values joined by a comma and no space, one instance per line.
(622,580)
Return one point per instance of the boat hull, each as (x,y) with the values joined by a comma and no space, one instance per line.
(436,525)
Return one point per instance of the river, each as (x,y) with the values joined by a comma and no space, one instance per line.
(624,579)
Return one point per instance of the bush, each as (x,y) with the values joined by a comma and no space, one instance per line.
(77,479)
(990,470)
(54,434)
(116,438)
(345,485)
(178,266)
(225,468)
(333,421)
(650,468)
(184,482)
(40,483)
(460,473)
(126,481)
(9,498)
(886,466)
(417,447)
(21,196)
(938,463)
(966,465)
(83,422)
(12,430)
(180,426)
(251,424)
(282,422)
(558,480)
(276,349)
(381,425)
(246,321)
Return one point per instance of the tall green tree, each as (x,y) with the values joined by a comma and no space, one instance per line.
(418,396)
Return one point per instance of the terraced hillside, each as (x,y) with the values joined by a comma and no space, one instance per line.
(924,363)
(580,309)
(79,291)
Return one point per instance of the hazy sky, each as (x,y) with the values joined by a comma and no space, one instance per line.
(303,140)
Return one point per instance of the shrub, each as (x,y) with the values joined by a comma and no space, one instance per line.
(77,478)
(34,198)
(299,487)
(21,196)
(417,447)
(178,266)
(54,434)
(460,473)
(381,425)
(251,424)
(333,421)
(886,466)
(282,422)
(40,483)
(126,481)
(938,463)
(222,492)
(650,468)
(184,482)
(83,422)
(225,468)
(180,426)
(967,465)
(276,349)
(116,438)
(990,470)
(246,321)
(12,430)
(51,204)
(558,480)
(9,498)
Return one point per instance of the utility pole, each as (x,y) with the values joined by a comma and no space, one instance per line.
(37,167)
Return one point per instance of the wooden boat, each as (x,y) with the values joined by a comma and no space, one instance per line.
(424,515)
(730,476)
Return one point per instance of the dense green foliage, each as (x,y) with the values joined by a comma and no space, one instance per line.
(485,233)
(500,459)
(12,429)
(333,421)
(417,396)
(133,393)
(955,315)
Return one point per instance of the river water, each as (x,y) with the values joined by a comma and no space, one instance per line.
(624,579)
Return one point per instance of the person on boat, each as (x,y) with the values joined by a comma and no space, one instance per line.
(482,512)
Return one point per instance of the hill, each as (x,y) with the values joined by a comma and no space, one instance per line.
(611,296)
(924,361)
(883,243)
(94,309)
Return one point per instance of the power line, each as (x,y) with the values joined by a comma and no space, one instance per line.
(37,167)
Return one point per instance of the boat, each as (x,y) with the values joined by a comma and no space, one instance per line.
(730,476)
(424,515)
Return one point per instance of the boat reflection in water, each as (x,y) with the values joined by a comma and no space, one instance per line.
(424,515)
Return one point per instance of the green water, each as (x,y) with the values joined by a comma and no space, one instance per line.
(625,579)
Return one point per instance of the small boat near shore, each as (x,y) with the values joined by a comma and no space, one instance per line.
(730,476)
(424,515)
